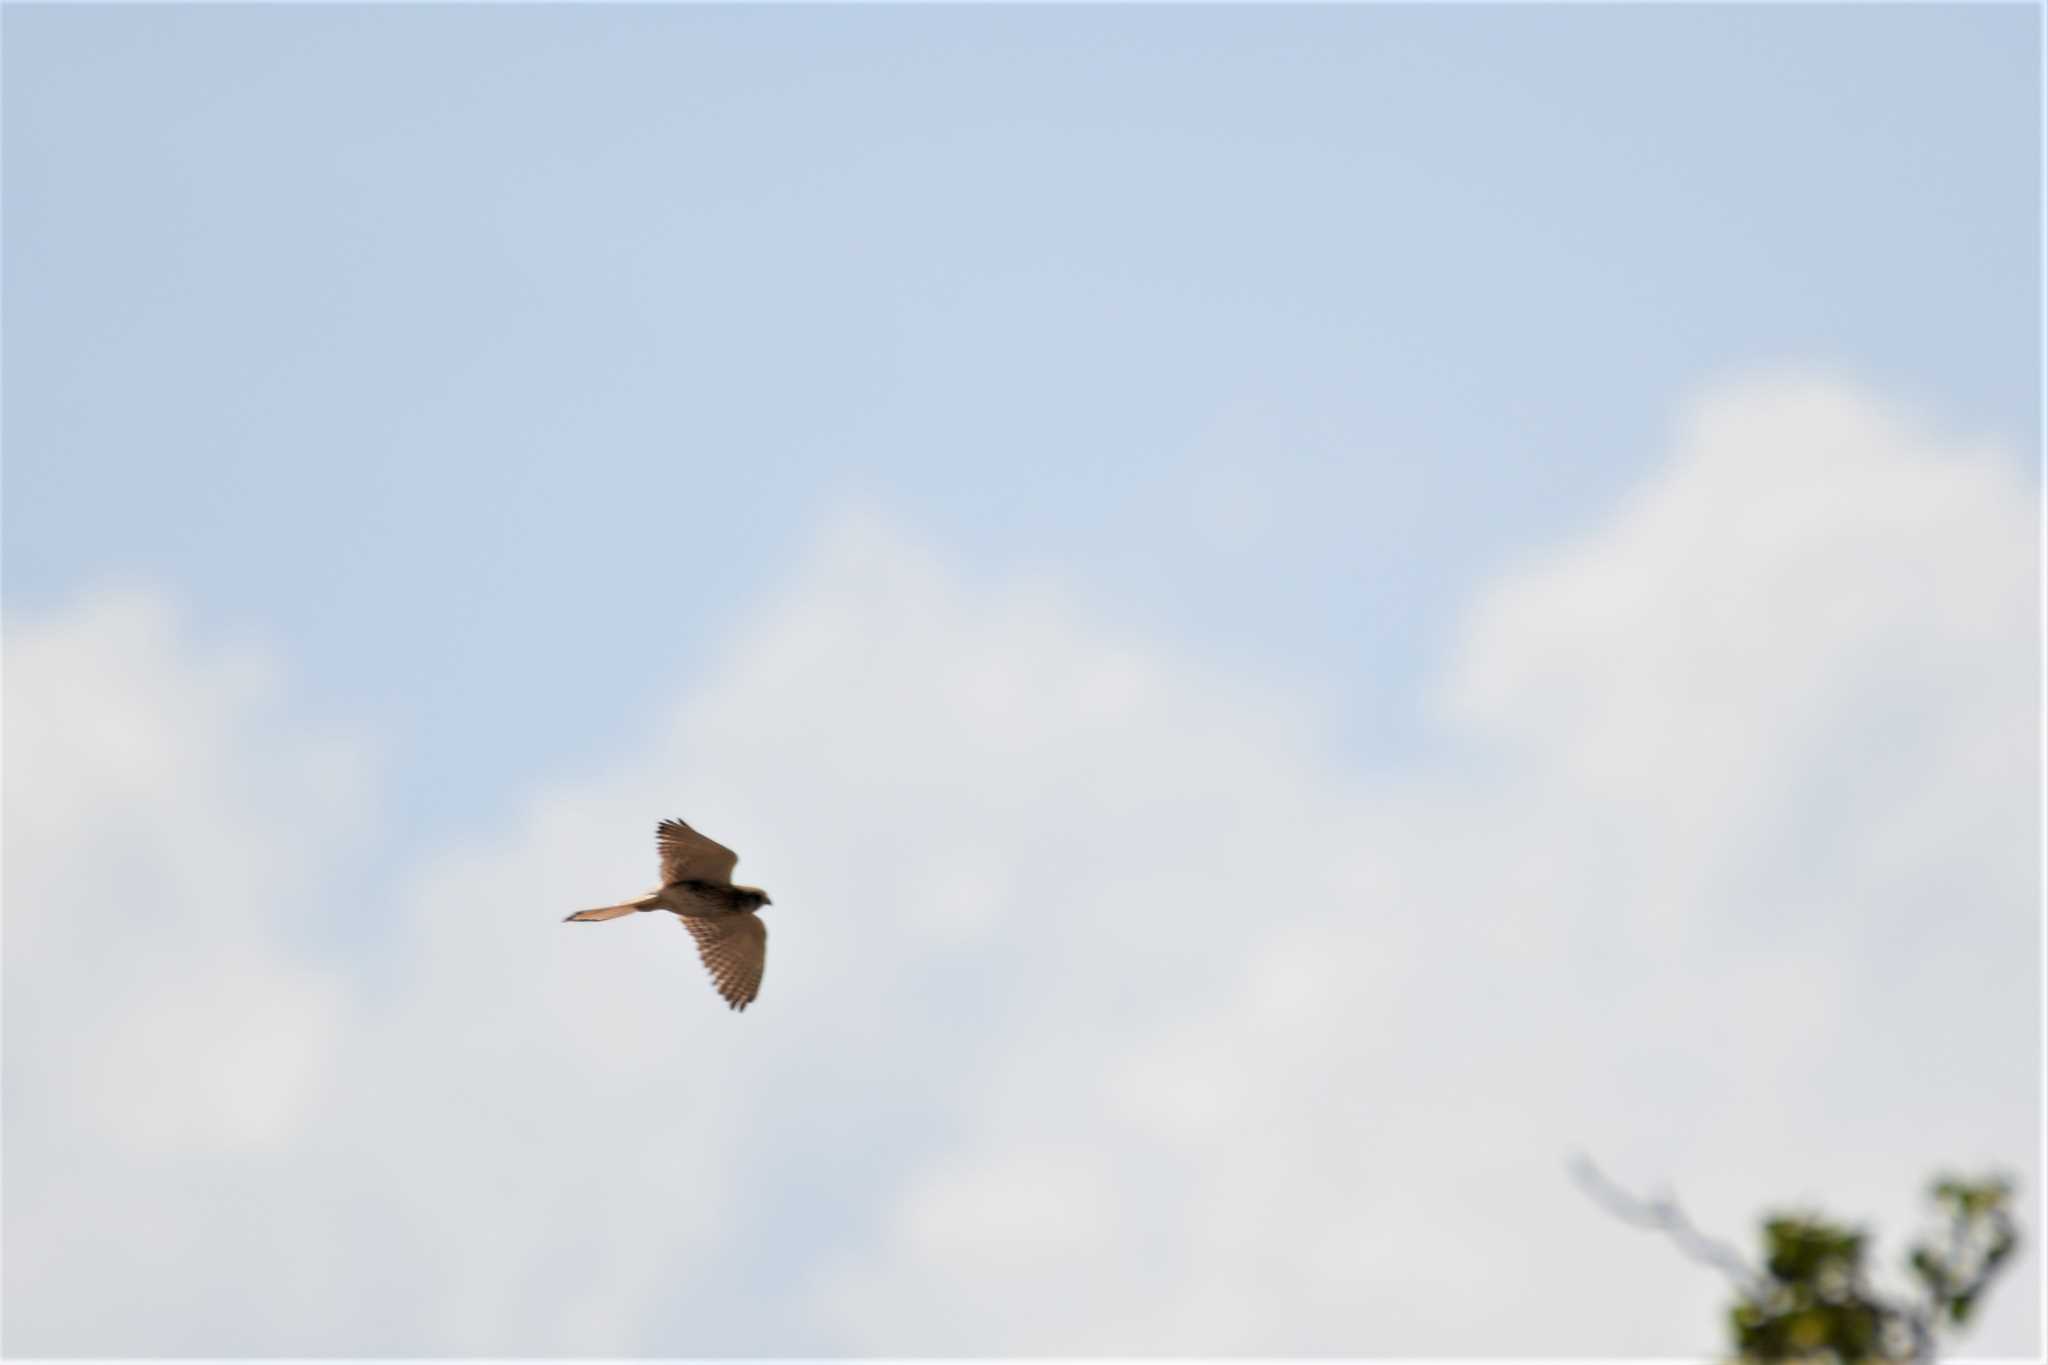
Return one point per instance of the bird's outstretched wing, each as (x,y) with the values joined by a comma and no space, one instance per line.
(735,949)
(687,856)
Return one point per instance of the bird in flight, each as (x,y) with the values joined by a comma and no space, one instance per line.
(697,888)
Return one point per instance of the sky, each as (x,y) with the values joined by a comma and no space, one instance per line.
(1305,611)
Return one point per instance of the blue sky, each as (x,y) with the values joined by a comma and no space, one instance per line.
(519,383)
(449,351)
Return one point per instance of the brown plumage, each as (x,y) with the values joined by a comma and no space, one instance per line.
(697,887)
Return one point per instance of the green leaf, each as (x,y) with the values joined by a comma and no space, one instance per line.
(1932,1272)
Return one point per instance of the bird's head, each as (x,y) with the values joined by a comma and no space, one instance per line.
(754,894)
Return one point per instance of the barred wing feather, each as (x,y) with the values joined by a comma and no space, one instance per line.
(735,950)
(687,856)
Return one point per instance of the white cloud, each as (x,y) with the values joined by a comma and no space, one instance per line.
(1105,1011)
(153,836)
(1734,882)
(164,1015)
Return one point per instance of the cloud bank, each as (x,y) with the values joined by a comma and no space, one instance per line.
(1108,1010)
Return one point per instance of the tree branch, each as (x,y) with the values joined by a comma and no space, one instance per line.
(1665,1216)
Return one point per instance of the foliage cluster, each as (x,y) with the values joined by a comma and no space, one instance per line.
(1813,1301)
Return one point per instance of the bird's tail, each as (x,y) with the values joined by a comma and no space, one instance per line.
(605,912)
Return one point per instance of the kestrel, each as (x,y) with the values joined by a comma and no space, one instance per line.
(696,887)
